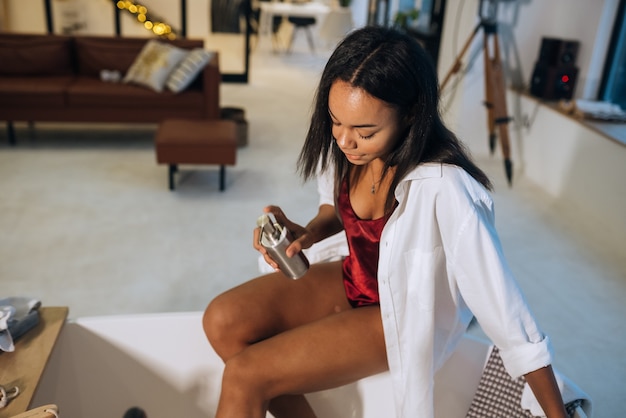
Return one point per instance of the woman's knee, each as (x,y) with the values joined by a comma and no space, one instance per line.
(218,322)
(243,375)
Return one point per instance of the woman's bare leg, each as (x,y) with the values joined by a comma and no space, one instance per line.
(330,352)
(269,305)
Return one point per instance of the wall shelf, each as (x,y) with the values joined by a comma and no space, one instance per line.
(614,131)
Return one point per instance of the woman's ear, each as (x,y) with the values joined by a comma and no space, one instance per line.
(409,117)
(408,120)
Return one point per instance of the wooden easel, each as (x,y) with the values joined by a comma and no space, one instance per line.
(495,93)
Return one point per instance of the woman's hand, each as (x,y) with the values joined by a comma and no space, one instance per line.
(299,235)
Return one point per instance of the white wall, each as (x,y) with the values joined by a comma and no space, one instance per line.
(582,169)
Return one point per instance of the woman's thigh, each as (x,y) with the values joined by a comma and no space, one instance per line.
(271,304)
(332,351)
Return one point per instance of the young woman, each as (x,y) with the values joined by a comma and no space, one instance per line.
(424,254)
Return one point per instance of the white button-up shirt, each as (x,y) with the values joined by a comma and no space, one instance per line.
(441,262)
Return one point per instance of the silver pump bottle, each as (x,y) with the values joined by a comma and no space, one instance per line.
(275,239)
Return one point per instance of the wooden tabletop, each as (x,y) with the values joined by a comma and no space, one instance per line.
(24,366)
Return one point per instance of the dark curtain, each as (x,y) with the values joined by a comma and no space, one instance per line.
(225,15)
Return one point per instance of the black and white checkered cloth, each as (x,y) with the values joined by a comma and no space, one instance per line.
(499,396)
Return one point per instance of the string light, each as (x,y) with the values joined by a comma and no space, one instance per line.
(151,23)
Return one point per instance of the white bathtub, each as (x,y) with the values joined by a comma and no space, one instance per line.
(162,363)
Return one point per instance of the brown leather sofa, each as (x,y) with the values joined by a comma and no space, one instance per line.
(55,78)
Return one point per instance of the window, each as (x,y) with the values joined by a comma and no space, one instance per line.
(613,86)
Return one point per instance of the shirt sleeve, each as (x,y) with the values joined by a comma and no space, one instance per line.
(325,185)
(489,289)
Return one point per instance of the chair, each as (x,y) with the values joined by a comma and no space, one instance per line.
(254,23)
(302,23)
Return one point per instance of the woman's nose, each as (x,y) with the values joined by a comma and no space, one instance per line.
(343,139)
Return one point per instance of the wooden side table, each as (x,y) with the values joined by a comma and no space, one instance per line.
(24,366)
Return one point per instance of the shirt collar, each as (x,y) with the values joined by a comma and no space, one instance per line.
(422,171)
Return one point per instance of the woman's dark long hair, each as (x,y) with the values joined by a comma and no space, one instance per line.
(394,68)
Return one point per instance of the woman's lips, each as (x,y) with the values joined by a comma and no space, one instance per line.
(352,157)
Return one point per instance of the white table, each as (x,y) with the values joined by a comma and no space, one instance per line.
(271,9)
(336,25)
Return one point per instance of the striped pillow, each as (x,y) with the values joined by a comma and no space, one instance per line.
(152,67)
(188,69)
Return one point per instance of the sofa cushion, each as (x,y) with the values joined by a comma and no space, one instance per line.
(95,53)
(30,91)
(87,92)
(25,55)
(188,69)
(154,64)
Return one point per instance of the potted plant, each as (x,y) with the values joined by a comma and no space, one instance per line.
(406,18)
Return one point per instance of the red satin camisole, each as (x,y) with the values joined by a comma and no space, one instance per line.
(360,267)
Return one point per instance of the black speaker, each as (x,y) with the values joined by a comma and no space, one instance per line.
(555,73)
(568,52)
(564,82)
(553,83)
(554,51)
(539,79)
(548,51)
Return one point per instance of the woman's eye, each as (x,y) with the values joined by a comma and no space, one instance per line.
(366,136)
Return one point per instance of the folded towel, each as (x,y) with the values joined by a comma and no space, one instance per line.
(17,316)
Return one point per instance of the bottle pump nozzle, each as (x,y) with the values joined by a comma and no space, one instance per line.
(269,228)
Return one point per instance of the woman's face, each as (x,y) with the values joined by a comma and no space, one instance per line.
(364,127)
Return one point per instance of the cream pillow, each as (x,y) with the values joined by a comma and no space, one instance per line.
(154,64)
(188,69)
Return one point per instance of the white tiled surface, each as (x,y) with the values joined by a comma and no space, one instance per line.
(87,221)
